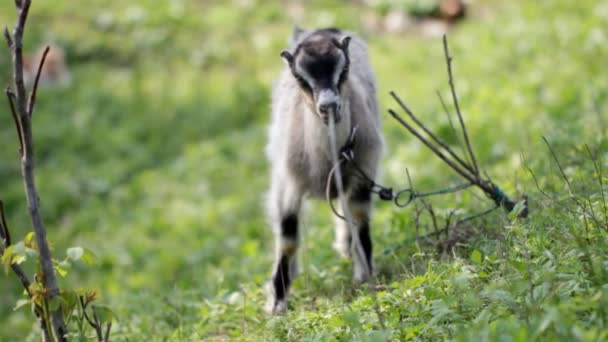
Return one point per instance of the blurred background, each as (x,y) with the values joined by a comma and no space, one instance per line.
(151,123)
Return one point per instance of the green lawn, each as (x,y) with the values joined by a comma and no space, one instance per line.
(153,159)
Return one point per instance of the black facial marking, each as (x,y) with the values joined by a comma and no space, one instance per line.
(281,280)
(366,242)
(319,56)
(289,226)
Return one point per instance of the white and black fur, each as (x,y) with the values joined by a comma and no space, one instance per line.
(327,75)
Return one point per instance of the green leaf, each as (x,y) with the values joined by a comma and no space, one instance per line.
(54,303)
(62,268)
(476,257)
(75,253)
(519,207)
(88,257)
(29,237)
(7,258)
(21,303)
(104,313)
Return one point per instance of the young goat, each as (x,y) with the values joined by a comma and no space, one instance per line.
(327,77)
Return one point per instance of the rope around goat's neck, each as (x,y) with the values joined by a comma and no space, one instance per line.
(360,254)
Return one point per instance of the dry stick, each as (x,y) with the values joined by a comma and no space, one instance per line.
(433,148)
(355,241)
(32,100)
(456,135)
(11,102)
(429,133)
(448,60)
(6,235)
(7,37)
(49,280)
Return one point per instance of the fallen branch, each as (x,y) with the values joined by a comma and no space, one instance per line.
(469,171)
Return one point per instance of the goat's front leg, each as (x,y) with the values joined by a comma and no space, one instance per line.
(359,203)
(284,209)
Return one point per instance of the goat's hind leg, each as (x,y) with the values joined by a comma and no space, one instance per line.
(284,210)
(343,239)
(359,203)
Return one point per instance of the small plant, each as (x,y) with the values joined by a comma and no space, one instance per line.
(55,309)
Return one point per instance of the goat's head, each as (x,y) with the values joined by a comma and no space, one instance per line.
(320,64)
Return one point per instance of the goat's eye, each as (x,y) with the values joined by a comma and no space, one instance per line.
(303,83)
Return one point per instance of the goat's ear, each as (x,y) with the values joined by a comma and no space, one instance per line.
(287,57)
(296,34)
(344,42)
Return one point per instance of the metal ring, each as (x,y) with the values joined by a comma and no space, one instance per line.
(410,198)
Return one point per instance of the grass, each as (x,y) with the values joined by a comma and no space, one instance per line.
(152,158)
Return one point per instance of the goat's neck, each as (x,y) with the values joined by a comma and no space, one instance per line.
(317,134)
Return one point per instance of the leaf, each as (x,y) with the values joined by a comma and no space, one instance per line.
(54,303)
(476,257)
(75,253)
(519,207)
(62,268)
(29,240)
(104,313)
(21,303)
(7,257)
(88,257)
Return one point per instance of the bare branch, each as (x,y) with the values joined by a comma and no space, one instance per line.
(24,7)
(431,134)
(106,337)
(448,60)
(433,148)
(6,236)
(48,278)
(456,135)
(11,102)
(32,101)
(7,37)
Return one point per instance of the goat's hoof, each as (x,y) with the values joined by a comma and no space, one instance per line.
(342,249)
(273,305)
(362,278)
(362,275)
(276,307)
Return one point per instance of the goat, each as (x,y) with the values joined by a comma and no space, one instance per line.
(327,77)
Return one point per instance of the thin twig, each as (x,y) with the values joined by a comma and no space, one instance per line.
(11,102)
(456,135)
(598,171)
(32,100)
(433,148)
(6,235)
(431,134)
(543,192)
(7,37)
(84,311)
(448,59)
(48,278)
(569,184)
(107,335)
(24,8)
